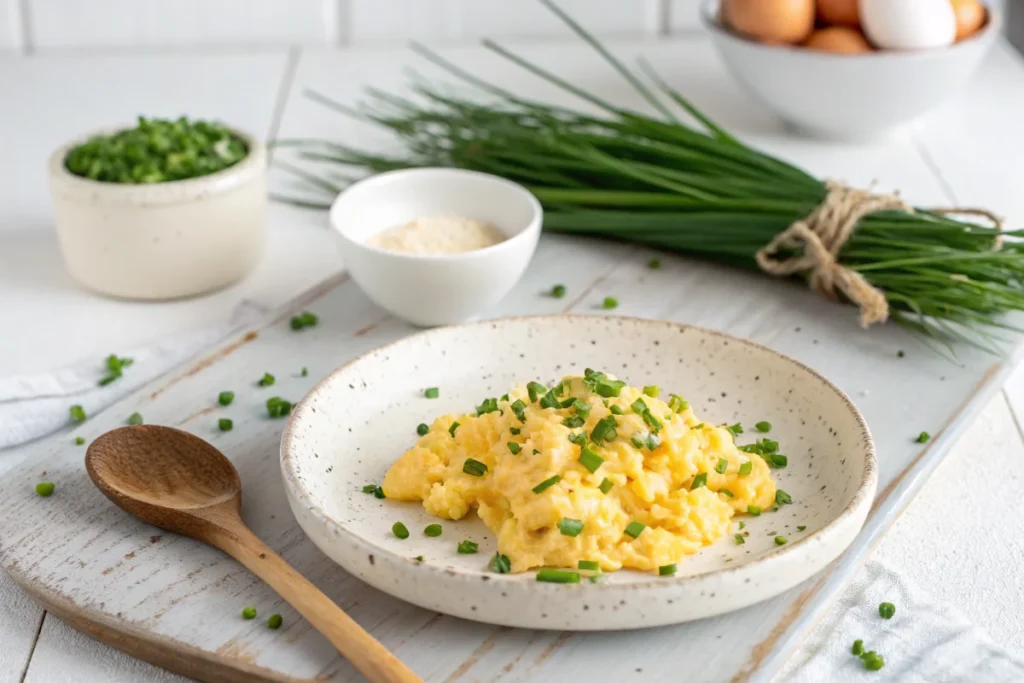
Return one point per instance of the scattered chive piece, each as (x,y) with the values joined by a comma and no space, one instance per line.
(606,485)
(422,429)
(431,392)
(858,647)
(923,437)
(781,540)
(278,407)
(379,493)
(590,459)
(550,400)
(573,422)
(652,390)
(753,510)
(741,525)
(225,398)
(115,368)
(304,372)
(535,389)
(604,430)
(777,460)
(249,612)
(746,468)
(634,529)
(418,558)
(490,405)
(597,578)
(500,564)
(667,570)
(451,430)
(474,468)
(558,291)
(739,539)
(700,426)
(872,661)
(617,410)
(79,440)
(638,441)
(536,452)
(77,413)
(514,448)
(44,489)
(727,493)
(886,610)
(135,418)
(677,403)
(400,530)
(589,565)
(370,488)
(802,527)
(722,466)
(653,441)
(304,319)
(699,481)
(735,429)
(266,380)
(610,302)
(468,548)
(504,397)
(225,424)
(783,498)
(654,263)
(578,438)
(514,431)
(275,621)
(763,426)
(557,576)
(433,530)
(519,408)
(570,527)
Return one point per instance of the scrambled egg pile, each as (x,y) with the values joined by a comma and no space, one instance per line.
(589,470)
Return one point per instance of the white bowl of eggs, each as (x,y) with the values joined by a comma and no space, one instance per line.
(851,69)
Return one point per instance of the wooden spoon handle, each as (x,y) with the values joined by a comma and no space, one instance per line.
(361,649)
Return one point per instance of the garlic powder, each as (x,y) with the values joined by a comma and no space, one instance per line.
(448,234)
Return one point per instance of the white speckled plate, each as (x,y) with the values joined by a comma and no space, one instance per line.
(357,421)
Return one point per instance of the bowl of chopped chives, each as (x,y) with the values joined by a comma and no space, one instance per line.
(161,210)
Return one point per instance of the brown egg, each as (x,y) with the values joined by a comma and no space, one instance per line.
(840,40)
(839,12)
(773,21)
(970,16)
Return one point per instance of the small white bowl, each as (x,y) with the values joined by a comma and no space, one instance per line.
(436,289)
(848,97)
(161,240)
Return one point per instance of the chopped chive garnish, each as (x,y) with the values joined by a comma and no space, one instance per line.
(225,398)
(699,481)
(399,530)
(722,466)
(490,405)
(634,529)
(535,389)
(753,510)
(468,548)
(872,661)
(726,492)
(452,428)
(500,563)
(652,390)
(249,612)
(433,530)
(275,621)
(514,448)
(739,539)
(617,410)
(558,291)
(802,527)
(667,569)
(304,372)
(858,647)
(589,565)
(44,489)
(604,430)
(746,468)
(547,483)
(266,380)
(573,422)
(609,388)
(769,445)
(923,437)
(278,407)
(79,440)
(699,426)
(677,403)
(557,576)
(304,319)
(519,409)
(474,468)
(606,485)
(783,498)
(597,578)
(514,431)
(763,426)
(77,413)
(741,525)
(638,441)
(570,527)
(582,409)
(549,400)
(887,610)
(431,392)
(504,397)
(610,302)
(781,540)
(418,558)
(558,389)
(422,429)
(654,263)
(735,429)
(590,459)
(135,418)
(370,488)
(578,438)
(225,424)
(379,493)
(777,460)
(536,452)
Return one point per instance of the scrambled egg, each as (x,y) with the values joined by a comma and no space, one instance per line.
(589,470)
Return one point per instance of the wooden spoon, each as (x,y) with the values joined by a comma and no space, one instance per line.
(178,482)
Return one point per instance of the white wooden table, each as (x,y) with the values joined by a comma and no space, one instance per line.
(970,152)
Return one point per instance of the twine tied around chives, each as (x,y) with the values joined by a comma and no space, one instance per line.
(820,236)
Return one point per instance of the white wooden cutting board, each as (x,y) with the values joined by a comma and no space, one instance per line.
(177,603)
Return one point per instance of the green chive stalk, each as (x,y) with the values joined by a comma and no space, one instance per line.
(657,181)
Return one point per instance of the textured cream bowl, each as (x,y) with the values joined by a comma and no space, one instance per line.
(162,240)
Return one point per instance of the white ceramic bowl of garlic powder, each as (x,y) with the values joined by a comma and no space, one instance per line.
(386,224)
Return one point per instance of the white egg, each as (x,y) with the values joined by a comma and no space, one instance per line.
(908,24)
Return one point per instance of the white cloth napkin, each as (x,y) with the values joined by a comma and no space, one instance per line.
(32,406)
(927,641)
